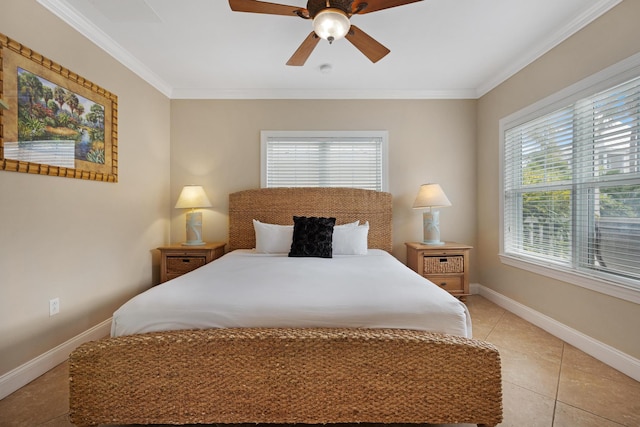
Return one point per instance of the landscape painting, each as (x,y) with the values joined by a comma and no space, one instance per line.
(50,116)
(57,123)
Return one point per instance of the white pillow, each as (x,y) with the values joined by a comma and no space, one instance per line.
(276,238)
(350,240)
(272,238)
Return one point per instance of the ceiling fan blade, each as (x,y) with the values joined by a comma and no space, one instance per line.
(300,56)
(359,7)
(264,7)
(366,44)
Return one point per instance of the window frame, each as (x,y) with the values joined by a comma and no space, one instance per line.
(383,135)
(619,287)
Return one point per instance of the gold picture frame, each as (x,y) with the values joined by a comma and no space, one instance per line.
(53,121)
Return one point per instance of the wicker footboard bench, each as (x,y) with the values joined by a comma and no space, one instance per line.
(307,376)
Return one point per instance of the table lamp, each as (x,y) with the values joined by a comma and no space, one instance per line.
(431,196)
(193,197)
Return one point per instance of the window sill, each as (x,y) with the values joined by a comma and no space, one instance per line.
(617,290)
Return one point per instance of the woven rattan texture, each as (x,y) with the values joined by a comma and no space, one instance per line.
(279,205)
(184,265)
(286,376)
(438,264)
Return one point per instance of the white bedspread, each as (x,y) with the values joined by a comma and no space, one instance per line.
(245,289)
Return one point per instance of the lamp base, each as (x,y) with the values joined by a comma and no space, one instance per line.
(431,227)
(433,243)
(194,229)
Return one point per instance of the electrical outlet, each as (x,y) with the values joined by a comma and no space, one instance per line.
(54,306)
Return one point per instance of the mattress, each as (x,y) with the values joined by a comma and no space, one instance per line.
(247,289)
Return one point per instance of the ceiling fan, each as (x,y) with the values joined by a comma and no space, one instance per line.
(331,21)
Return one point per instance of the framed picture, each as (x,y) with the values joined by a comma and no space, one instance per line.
(52,121)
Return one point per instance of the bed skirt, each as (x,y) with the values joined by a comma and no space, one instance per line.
(261,375)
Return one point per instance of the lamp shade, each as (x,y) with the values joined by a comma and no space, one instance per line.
(431,196)
(193,196)
(331,24)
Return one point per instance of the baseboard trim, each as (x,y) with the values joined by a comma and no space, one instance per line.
(24,374)
(618,360)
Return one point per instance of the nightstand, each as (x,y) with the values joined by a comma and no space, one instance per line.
(445,265)
(176,260)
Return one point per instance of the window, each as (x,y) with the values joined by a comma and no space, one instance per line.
(324,159)
(571,188)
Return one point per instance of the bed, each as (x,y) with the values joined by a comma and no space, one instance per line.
(248,365)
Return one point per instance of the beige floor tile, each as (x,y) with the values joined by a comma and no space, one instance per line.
(485,315)
(531,372)
(515,333)
(618,401)
(582,361)
(524,407)
(41,400)
(568,416)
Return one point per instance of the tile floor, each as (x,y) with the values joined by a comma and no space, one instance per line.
(546,382)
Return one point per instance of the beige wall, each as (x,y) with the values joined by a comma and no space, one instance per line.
(613,37)
(217,144)
(88,243)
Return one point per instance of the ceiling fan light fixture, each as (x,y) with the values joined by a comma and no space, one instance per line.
(331,24)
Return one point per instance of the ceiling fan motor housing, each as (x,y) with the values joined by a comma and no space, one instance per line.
(315,6)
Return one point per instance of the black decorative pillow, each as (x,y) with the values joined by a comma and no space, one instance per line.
(312,237)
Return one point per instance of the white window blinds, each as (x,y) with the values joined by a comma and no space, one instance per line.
(572,186)
(324,159)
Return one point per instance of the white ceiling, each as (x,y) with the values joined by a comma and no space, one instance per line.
(200,49)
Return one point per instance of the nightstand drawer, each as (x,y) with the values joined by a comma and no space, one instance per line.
(453,284)
(443,264)
(181,265)
(175,260)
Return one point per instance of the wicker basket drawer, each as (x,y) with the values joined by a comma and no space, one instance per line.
(451,284)
(181,265)
(443,264)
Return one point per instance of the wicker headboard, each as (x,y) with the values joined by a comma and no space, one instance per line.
(279,205)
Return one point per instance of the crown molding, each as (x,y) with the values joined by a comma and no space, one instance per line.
(547,44)
(106,43)
(192,93)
